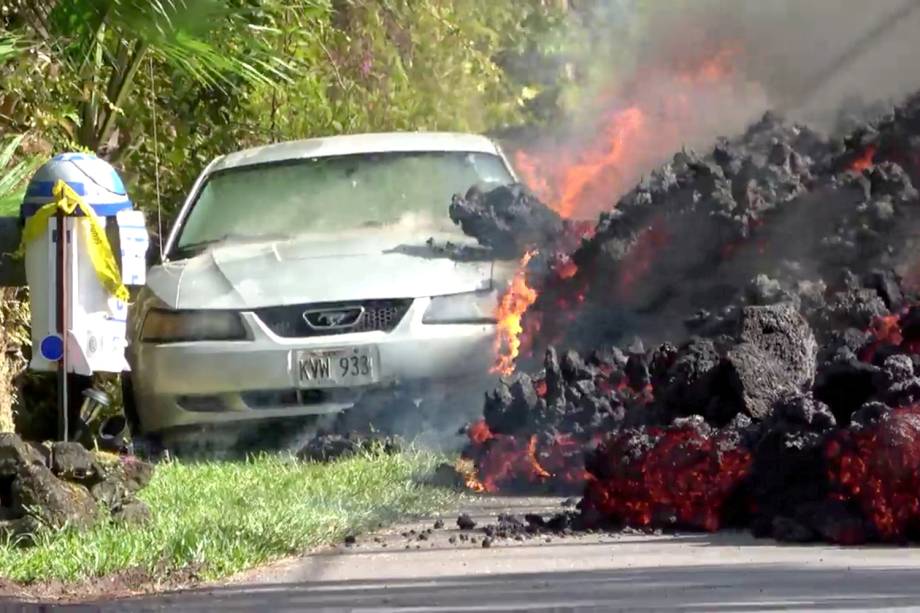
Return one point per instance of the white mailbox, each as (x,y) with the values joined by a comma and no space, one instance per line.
(94,329)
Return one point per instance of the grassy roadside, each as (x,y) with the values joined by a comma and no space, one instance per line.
(228,516)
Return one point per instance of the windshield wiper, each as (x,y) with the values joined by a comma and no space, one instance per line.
(192,249)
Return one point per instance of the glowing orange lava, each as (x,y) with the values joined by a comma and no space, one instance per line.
(514,303)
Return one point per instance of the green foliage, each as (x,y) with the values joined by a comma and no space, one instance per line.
(14,317)
(401,65)
(13,175)
(225,517)
(353,66)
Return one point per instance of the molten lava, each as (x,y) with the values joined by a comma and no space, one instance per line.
(515,301)
(878,468)
(665,477)
(504,460)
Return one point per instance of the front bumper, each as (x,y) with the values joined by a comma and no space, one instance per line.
(202,383)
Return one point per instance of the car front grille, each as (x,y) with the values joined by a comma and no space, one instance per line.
(378,315)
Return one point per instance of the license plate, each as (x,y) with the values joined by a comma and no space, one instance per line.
(337,367)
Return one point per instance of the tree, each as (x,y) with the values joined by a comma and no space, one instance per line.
(98,47)
(13,309)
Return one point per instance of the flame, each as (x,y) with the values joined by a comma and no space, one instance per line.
(467,470)
(623,128)
(865,160)
(715,68)
(643,122)
(565,268)
(511,308)
(531,458)
(528,167)
(887,331)
(502,461)
(479,432)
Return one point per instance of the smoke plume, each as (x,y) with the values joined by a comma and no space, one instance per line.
(646,79)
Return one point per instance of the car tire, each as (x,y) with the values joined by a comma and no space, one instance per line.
(144,445)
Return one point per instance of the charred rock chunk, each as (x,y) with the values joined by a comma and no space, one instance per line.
(508,219)
(854,308)
(776,356)
(869,413)
(887,284)
(687,386)
(845,384)
(574,367)
(789,468)
(555,385)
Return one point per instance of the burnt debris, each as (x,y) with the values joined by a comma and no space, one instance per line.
(509,220)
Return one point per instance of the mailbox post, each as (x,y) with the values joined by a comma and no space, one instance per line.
(84,243)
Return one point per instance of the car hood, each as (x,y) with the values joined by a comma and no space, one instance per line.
(359,265)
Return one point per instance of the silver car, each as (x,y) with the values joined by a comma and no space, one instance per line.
(301,275)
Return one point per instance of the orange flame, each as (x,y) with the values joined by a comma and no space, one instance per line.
(479,432)
(565,268)
(623,128)
(538,470)
(529,169)
(865,160)
(466,468)
(514,303)
(644,122)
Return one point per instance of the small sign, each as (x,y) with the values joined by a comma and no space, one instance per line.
(52,347)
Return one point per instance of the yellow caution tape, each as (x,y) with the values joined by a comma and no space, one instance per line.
(100,251)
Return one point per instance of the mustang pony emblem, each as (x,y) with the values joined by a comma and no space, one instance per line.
(333,318)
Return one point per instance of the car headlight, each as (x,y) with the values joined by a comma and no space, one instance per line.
(471,308)
(164,326)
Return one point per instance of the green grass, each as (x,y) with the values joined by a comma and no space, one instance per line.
(228,516)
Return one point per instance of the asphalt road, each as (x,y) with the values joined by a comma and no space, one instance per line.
(390,571)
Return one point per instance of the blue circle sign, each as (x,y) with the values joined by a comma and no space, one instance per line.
(52,347)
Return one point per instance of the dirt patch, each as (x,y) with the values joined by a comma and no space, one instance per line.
(123,584)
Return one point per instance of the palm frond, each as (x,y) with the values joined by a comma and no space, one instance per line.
(13,176)
(176,31)
(10,46)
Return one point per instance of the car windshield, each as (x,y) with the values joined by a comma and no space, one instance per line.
(332,194)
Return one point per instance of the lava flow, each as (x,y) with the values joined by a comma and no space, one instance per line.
(788,400)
